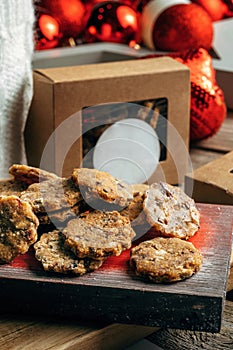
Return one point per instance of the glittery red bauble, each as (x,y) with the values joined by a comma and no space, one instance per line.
(182,27)
(113,21)
(208,109)
(71,14)
(217,9)
(47,34)
(207,106)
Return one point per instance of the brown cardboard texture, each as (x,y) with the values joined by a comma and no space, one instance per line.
(60,93)
(213,182)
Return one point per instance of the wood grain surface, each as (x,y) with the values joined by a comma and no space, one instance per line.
(30,333)
(114,294)
(222,141)
(173,339)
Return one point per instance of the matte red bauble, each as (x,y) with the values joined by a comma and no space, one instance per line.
(175,25)
(217,9)
(113,21)
(71,14)
(183,27)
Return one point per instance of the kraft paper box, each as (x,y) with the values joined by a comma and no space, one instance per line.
(213,182)
(223,49)
(63,92)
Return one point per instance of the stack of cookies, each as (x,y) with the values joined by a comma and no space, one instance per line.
(18,222)
(75,223)
(175,217)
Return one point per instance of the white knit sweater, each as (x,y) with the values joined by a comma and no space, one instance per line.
(16,48)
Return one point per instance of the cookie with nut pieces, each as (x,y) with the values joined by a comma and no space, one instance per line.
(11,187)
(101,189)
(53,195)
(98,234)
(170,211)
(29,175)
(165,260)
(53,255)
(18,227)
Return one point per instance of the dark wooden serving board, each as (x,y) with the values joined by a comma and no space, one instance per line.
(114,294)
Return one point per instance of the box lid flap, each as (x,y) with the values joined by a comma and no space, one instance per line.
(111,69)
(219,173)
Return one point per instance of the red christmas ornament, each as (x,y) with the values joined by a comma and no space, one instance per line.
(176,26)
(229,4)
(72,15)
(217,9)
(112,21)
(47,33)
(208,109)
(92,3)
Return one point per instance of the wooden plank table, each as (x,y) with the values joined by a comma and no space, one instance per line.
(30,332)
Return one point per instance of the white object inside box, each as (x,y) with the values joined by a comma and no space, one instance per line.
(129,150)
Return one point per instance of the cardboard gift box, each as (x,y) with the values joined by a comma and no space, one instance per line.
(223,64)
(213,182)
(61,93)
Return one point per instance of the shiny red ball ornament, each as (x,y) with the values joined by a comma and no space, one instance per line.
(47,34)
(217,9)
(113,21)
(172,26)
(72,15)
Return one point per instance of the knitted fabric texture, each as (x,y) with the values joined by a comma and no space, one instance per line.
(16,88)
